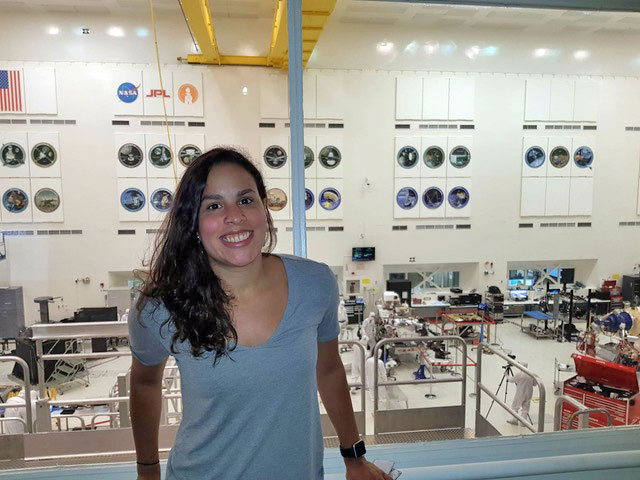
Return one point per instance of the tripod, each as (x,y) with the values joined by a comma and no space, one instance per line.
(507,371)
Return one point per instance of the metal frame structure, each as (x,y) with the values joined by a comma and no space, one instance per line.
(598,5)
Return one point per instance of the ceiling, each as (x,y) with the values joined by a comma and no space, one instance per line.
(367,12)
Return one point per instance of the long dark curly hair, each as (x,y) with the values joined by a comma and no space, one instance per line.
(180,275)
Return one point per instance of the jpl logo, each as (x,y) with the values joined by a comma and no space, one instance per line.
(158,93)
(128,92)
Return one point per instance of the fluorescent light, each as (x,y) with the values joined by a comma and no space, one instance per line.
(540,52)
(245,90)
(384,47)
(581,54)
(411,48)
(431,47)
(490,51)
(115,32)
(142,32)
(53,30)
(472,52)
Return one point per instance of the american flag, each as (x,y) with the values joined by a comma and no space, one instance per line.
(10,91)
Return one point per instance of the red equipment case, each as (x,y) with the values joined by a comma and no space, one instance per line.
(624,411)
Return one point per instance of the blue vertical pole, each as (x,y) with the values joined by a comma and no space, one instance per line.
(296,116)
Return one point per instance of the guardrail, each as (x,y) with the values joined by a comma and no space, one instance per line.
(583,422)
(482,388)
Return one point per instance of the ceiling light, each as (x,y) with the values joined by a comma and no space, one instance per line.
(115,32)
(245,90)
(490,51)
(53,30)
(540,52)
(411,48)
(581,54)
(448,48)
(142,32)
(384,47)
(431,47)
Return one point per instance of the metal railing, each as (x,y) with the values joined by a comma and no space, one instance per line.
(582,410)
(482,388)
(26,375)
(12,419)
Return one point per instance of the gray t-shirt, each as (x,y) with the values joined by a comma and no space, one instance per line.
(254,415)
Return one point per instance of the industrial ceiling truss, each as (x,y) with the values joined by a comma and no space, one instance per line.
(599,5)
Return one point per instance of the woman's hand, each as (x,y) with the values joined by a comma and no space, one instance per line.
(149,472)
(361,469)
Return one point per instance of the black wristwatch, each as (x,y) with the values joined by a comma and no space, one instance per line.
(356,451)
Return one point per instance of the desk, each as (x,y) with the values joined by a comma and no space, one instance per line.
(538,317)
(464,320)
(514,308)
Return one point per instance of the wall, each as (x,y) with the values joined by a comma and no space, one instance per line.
(46,265)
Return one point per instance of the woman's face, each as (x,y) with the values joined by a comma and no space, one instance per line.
(232,219)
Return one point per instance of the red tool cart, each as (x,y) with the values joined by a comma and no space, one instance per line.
(608,385)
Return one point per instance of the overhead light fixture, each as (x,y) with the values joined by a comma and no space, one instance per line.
(384,47)
(448,48)
(540,52)
(245,91)
(142,32)
(472,52)
(115,32)
(431,47)
(53,30)
(411,48)
(581,54)
(490,51)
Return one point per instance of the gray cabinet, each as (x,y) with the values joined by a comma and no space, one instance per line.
(11,312)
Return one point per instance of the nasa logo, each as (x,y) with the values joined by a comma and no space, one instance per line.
(188,94)
(157,93)
(128,92)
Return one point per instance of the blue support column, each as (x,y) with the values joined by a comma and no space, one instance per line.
(296,116)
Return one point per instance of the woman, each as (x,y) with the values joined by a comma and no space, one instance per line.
(254,336)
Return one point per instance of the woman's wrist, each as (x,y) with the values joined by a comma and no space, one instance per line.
(148,463)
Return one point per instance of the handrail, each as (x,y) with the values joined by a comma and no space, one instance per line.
(26,375)
(67,417)
(111,416)
(17,419)
(462,379)
(588,412)
(536,380)
(361,384)
(557,417)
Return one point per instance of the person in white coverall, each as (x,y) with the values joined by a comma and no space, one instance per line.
(356,360)
(524,392)
(382,376)
(369,329)
(343,320)
(15,426)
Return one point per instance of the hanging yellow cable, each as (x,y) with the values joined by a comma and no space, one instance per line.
(164,104)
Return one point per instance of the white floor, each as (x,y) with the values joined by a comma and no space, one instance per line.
(539,354)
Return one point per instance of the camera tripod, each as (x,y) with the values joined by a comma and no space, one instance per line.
(508,371)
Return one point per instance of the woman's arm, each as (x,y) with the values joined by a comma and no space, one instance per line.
(334,391)
(146,405)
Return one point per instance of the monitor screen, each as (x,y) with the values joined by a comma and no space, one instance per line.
(363,254)
(567,275)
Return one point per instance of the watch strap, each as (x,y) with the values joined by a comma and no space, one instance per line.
(357,450)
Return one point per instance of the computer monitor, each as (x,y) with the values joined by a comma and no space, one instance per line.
(567,275)
(99,314)
(363,254)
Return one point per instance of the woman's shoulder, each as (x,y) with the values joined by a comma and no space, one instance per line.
(149,310)
(306,271)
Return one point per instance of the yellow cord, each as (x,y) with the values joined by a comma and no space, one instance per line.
(164,105)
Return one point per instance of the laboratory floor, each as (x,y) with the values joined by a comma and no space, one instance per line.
(539,354)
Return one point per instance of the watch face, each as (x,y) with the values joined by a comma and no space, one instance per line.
(330,156)
(275,156)
(407,198)
(535,157)
(458,197)
(15,200)
(161,199)
(583,157)
(559,157)
(308,199)
(433,157)
(130,155)
(44,155)
(12,155)
(46,200)
(460,157)
(308,157)
(132,200)
(407,157)
(330,199)
(276,199)
(432,197)
(160,156)
(188,154)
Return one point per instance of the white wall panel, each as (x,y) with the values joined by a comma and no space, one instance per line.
(434,157)
(153,93)
(638,210)
(534,165)
(532,198)
(126,91)
(581,196)
(326,199)
(560,157)
(15,193)
(326,168)
(188,94)
(16,153)
(406,198)
(330,96)
(43,162)
(584,147)
(127,146)
(587,96)
(435,98)
(276,148)
(454,184)
(161,193)
(462,98)
(309,104)
(311,186)
(274,95)
(406,159)
(40,90)
(562,100)
(557,197)
(453,147)
(47,202)
(312,170)
(408,98)
(537,99)
(160,156)
(139,204)
(439,186)
(185,147)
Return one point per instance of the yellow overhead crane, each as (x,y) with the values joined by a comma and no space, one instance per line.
(315,14)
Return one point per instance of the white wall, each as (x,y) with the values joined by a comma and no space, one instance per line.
(49,265)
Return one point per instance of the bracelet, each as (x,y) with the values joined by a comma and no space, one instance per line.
(148,464)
